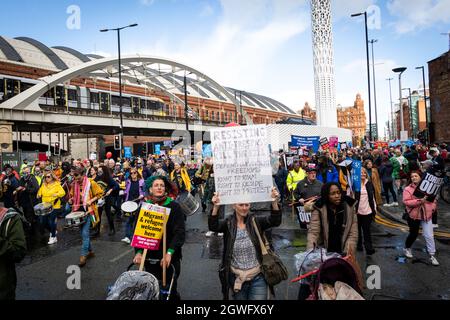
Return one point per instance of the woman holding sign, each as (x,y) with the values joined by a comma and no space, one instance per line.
(159,190)
(420,211)
(242,256)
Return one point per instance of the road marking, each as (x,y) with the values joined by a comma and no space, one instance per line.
(384,221)
(121,255)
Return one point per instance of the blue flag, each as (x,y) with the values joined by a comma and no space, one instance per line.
(356,175)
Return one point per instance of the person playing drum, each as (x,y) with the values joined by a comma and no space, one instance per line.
(160,189)
(181,178)
(51,192)
(84,193)
(134,190)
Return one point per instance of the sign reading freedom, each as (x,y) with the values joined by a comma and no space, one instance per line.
(242,169)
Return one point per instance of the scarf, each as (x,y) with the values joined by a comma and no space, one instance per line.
(160,201)
(84,195)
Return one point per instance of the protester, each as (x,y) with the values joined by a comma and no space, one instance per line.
(27,195)
(159,189)
(308,190)
(400,170)
(110,193)
(134,191)
(242,255)
(9,184)
(374,178)
(296,175)
(12,250)
(386,170)
(420,211)
(84,193)
(51,192)
(366,210)
(181,178)
(326,171)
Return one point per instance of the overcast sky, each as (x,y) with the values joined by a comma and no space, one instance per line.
(261,46)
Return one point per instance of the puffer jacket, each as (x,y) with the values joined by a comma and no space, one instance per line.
(12,250)
(416,210)
(319,228)
(228,227)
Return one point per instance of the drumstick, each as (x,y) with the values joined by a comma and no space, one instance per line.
(306,200)
(164,251)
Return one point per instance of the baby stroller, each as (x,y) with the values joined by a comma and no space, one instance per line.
(140,285)
(327,277)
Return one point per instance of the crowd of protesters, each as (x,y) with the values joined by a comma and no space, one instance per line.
(323,184)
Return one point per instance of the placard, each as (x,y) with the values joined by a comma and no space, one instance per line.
(303,216)
(149,227)
(11,158)
(334,141)
(243,173)
(308,142)
(429,187)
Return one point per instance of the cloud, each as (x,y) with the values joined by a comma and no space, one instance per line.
(147,2)
(418,14)
(206,11)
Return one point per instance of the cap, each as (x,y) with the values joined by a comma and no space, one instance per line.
(311,167)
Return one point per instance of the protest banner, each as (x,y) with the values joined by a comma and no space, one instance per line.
(429,187)
(308,142)
(334,141)
(242,168)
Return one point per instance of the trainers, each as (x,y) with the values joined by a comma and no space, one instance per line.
(209,233)
(126,240)
(220,234)
(408,253)
(52,240)
(387,205)
(394,204)
(435,226)
(434,261)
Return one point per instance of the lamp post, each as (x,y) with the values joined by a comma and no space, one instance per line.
(425,101)
(374,85)
(400,72)
(368,69)
(393,136)
(120,82)
(186,104)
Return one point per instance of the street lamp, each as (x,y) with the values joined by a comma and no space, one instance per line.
(393,136)
(186,103)
(425,101)
(120,82)
(374,85)
(368,69)
(400,72)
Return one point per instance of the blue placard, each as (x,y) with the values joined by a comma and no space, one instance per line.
(207,151)
(309,142)
(128,153)
(157,149)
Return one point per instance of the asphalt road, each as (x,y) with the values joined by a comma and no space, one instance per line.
(43,273)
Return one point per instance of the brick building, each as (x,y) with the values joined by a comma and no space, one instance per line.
(439,77)
(353,118)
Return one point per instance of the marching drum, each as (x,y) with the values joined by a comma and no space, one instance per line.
(188,203)
(76,218)
(43,209)
(101,203)
(129,207)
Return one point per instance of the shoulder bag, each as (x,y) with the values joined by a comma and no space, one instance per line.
(272,267)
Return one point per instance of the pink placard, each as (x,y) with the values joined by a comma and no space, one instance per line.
(145,243)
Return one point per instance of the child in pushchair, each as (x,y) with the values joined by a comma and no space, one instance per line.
(142,285)
(325,276)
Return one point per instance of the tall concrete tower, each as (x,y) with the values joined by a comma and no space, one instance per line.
(322,37)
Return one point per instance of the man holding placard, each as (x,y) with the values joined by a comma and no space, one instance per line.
(160,233)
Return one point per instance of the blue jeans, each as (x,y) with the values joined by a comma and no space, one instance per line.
(49,221)
(129,228)
(256,289)
(86,245)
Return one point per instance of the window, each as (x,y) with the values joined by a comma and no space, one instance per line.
(72,95)
(213,115)
(94,97)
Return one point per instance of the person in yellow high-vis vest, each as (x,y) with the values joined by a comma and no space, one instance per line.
(294,176)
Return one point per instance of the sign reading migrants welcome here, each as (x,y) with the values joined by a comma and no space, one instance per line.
(242,170)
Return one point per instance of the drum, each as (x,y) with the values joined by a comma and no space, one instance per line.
(76,218)
(188,203)
(129,208)
(121,193)
(43,209)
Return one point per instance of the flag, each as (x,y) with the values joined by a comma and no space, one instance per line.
(356,174)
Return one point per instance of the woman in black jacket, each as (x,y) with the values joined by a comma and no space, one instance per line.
(386,170)
(242,256)
(366,211)
(159,189)
(111,192)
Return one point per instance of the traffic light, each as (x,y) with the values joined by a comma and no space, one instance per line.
(57,150)
(117,144)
